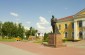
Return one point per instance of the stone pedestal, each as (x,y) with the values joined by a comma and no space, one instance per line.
(55,40)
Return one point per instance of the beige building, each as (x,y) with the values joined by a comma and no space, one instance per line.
(73,27)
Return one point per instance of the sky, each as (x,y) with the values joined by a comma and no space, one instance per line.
(37,13)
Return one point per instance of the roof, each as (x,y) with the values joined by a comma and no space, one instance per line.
(73,16)
(65,18)
(80,12)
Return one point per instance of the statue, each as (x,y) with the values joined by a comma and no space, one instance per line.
(55,38)
(54,26)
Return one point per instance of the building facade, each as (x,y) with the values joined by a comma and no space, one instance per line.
(72,27)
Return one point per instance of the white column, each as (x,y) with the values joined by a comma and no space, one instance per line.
(76,31)
(84,34)
(83,24)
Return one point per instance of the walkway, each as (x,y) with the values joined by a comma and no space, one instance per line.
(9,50)
(42,50)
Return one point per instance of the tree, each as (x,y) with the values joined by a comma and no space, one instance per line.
(0,28)
(7,28)
(11,29)
(27,33)
(45,37)
(14,30)
(20,31)
(31,32)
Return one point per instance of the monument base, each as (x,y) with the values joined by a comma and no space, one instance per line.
(55,40)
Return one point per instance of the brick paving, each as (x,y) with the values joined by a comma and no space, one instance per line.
(44,50)
(79,44)
(9,50)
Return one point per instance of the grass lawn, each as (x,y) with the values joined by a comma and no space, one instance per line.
(7,40)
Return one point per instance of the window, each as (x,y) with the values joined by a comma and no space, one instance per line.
(72,34)
(59,27)
(80,23)
(66,34)
(80,35)
(65,26)
(73,25)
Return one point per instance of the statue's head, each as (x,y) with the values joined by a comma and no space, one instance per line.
(52,16)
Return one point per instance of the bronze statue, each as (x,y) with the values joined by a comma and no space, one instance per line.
(54,26)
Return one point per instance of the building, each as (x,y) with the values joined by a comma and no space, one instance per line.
(72,27)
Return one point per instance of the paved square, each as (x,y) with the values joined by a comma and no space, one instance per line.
(44,50)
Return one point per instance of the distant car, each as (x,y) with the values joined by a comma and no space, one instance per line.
(17,39)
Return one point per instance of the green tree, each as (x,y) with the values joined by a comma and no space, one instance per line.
(27,33)
(45,39)
(31,32)
(0,28)
(20,31)
(46,36)
(7,28)
(11,29)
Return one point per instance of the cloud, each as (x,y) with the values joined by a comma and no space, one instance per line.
(40,26)
(43,25)
(43,20)
(28,22)
(14,14)
(49,29)
(27,28)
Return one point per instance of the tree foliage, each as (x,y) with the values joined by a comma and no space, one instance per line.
(0,28)
(31,32)
(20,31)
(11,29)
(45,39)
